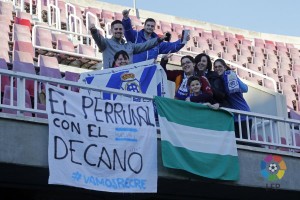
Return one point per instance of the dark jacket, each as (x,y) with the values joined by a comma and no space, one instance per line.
(139,37)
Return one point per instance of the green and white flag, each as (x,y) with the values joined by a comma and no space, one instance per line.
(197,139)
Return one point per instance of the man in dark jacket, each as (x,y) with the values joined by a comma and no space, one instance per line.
(146,34)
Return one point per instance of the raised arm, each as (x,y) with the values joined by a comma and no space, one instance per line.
(99,39)
(149,44)
(129,33)
(166,47)
(171,74)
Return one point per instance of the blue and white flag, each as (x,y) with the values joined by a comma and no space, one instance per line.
(147,79)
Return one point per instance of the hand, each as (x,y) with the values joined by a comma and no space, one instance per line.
(93,28)
(125,13)
(188,37)
(212,106)
(167,56)
(188,99)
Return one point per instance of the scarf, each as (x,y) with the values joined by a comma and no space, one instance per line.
(231,82)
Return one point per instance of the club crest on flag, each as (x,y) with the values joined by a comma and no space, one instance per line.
(130,83)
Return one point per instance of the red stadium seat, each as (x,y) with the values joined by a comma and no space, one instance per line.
(24,22)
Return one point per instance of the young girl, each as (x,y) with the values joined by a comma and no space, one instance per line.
(194,85)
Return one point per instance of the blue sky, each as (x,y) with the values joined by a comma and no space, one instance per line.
(267,16)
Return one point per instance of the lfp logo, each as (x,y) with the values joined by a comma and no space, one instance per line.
(273,167)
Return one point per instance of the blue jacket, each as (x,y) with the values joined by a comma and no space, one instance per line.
(237,101)
(139,37)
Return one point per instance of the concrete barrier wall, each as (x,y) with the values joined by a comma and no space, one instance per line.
(25,142)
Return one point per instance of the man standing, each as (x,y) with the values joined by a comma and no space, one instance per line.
(147,34)
(109,47)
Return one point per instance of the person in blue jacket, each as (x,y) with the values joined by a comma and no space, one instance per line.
(146,34)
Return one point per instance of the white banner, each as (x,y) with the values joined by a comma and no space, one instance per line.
(100,144)
(147,79)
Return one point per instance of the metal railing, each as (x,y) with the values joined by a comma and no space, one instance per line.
(266,131)
(35,46)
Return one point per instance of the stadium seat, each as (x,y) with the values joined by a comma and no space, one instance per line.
(239,37)
(18,28)
(254,80)
(216,33)
(50,72)
(246,42)
(47,61)
(59,36)
(17,36)
(24,47)
(195,33)
(4,54)
(5,39)
(24,22)
(86,50)
(175,59)
(267,70)
(4,79)
(285,65)
(118,16)
(270,46)
(221,38)
(165,28)
(7,101)
(26,68)
(24,16)
(279,44)
(290,80)
(93,10)
(41,106)
(4,28)
(242,59)
(288,45)
(22,57)
(282,72)
(65,46)
(213,53)
(217,48)
(207,35)
(106,14)
(246,53)
(227,56)
(44,42)
(254,67)
(233,40)
(242,73)
(268,84)
(197,49)
(4,19)
(282,49)
(227,35)
(72,76)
